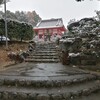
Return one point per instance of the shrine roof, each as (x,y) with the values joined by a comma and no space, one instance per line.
(50,23)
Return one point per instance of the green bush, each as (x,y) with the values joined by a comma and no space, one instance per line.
(16,30)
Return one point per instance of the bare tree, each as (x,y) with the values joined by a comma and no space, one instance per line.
(98,14)
(1,1)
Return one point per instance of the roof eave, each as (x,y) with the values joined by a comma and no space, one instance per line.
(40,28)
(48,27)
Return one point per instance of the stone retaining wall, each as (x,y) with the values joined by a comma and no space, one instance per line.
(47,84)
(36,96)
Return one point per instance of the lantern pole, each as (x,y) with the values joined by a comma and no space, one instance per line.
(6,33)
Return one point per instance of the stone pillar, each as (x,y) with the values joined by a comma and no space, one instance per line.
(64,59)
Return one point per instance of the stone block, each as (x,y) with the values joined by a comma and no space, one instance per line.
(43,97)
(57,97)
(32,96)
(1,82)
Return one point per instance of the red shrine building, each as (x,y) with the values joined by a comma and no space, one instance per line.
(46,30)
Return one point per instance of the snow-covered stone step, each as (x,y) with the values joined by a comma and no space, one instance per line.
(42,60)
(42,47)
(42,57)
(44,51)
(43,54)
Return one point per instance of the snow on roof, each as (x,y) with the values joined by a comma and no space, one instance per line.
(49,23)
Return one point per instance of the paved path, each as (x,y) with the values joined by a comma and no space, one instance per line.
(37,80)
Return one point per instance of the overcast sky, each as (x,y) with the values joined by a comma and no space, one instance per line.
(65,9)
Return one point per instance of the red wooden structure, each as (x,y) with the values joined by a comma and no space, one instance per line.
(46,29)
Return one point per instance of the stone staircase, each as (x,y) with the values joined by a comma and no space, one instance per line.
(44,53)
(47,81)
(67,92)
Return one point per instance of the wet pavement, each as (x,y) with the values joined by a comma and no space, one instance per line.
(28,69)
(47,79)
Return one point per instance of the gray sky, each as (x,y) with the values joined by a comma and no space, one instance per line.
(47,9)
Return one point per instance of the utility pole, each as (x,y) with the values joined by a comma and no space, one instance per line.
(6,24)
